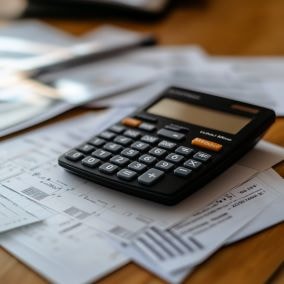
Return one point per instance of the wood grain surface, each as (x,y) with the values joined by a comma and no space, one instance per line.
(221,27)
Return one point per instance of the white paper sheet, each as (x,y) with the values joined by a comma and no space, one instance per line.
(17,211)
(252,80)
(64,250)
(188,243)
(272,215)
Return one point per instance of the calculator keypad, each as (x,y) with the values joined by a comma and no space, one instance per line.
(129,154)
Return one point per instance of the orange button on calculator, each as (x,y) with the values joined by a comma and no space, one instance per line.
(206,144)
(131,122)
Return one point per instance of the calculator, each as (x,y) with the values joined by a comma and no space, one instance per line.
(171,147)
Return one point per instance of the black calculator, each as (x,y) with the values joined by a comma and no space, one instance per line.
(172,146)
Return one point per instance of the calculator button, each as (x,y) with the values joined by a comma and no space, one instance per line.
(147,117)
(122,140)
(130,153)
(184,151)
(157,152)
(141,146)
(107,135)
(165,166)
(74,155)
(206,144)
(172,127)
(101,154)
(86,149)
(192,164)
(126,174)
(182,172)
(147,159)
(132,134)
(112,147)
(117,129)
(97,142)
(171,134)
(176,127)
(150,177)
(175,158)
(119,160)
(108,168)
(150,139)
(136,166)
(201,156)
(90,162)
(147,126)
(132,122)
(167,145)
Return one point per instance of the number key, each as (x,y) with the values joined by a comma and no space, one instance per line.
(112,147)
(136,166)
(119,160)
(157,152)
(175,158)
(74,155)
(147,159)
(130,153)
(140,146)
(90,162)
(164,166)
(101,154)
(108,168)
(122,140)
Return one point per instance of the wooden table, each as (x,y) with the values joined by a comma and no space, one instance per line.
(228,27)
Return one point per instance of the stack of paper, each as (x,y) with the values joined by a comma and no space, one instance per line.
(68,216)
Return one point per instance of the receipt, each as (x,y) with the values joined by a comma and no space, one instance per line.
(173,252)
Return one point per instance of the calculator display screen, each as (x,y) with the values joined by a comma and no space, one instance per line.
(198,115)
